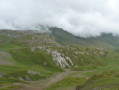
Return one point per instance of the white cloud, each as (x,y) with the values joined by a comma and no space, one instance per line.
(80,17)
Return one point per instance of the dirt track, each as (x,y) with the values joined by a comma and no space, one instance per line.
(47,82)
(44,84)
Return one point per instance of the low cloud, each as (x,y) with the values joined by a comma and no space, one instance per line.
(79,17)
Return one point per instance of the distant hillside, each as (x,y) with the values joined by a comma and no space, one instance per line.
(63,37)
(104,41)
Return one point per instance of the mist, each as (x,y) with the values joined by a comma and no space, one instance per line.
(79,17)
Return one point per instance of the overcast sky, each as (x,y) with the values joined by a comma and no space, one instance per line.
(80,17)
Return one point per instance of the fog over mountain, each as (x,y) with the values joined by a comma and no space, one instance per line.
(79,17)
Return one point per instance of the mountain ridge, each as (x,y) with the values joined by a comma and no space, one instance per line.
(105,40)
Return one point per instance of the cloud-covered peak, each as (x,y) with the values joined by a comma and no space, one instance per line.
(80,17)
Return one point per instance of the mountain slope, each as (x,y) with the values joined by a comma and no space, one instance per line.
(36,56)
(24,46)
(63,37)
(107,41)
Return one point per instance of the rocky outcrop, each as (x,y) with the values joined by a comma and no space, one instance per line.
(2,75)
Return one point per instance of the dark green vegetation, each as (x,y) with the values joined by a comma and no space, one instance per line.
(107,41)
(63,37)
(27,56)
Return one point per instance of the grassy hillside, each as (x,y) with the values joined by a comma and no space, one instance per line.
(25,65)
(30,56)
(107,41)
(106,80)
(63,37)
(96,78)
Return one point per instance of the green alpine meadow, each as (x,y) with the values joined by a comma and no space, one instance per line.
(58,61)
